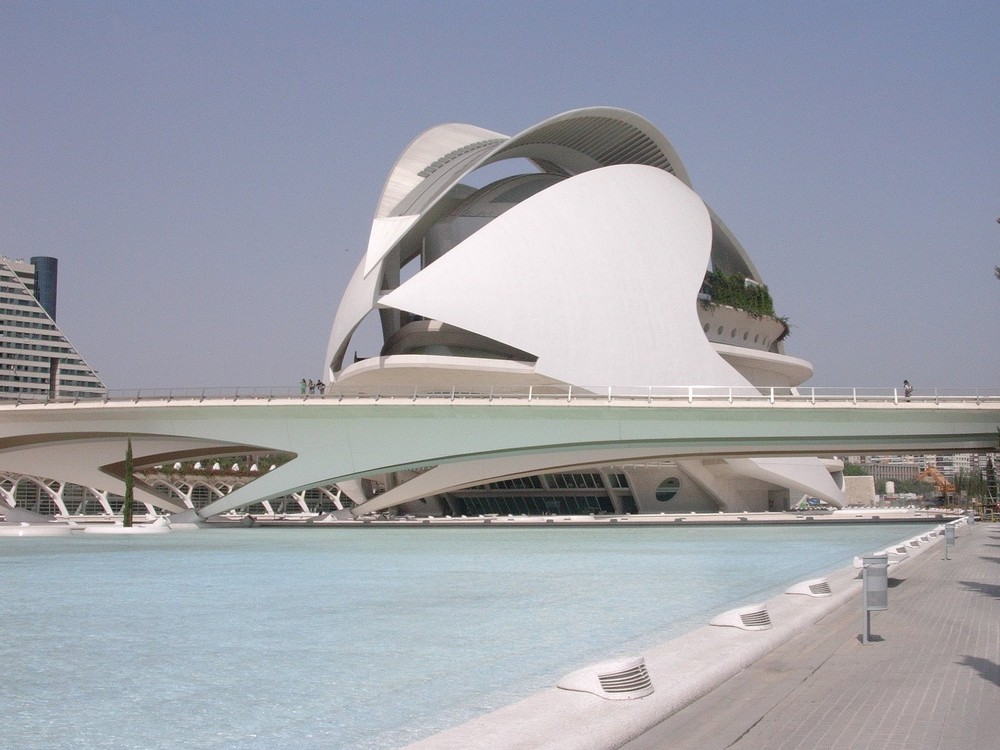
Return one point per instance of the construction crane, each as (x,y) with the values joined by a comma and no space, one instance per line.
(939,480)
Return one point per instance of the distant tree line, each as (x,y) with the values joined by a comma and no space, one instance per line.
(968,483)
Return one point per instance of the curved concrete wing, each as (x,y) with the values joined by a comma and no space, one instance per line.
(430,147)
(807,475)
(592,137)
(592,276)
(570,143)
(358,300)
(438,159)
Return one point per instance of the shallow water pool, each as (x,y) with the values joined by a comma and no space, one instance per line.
(354,638)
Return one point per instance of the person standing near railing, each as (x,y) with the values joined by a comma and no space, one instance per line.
(907,389)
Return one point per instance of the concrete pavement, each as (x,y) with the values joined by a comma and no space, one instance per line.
(931,678)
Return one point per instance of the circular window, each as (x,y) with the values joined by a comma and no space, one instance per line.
(746,334)
(732,334)
(706,328)
(756,337)
(719,331)
(668,488)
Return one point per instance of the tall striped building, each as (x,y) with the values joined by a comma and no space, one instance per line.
(37,361)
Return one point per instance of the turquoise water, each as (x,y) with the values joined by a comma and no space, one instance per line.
(356,638)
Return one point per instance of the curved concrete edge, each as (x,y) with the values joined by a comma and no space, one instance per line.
(682,670)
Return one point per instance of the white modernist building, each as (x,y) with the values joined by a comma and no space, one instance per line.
(590,263)
(611,345)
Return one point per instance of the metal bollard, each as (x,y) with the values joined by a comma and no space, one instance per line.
(949,539)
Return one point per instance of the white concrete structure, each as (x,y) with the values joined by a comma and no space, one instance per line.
(586,269)
(585,265)
(548,346)
(440,441)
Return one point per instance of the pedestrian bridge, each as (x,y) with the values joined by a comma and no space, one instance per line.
(456,437)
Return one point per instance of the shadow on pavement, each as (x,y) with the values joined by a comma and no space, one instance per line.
(988,589)
(988,670)
(871,638)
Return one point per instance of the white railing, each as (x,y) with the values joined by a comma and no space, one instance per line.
(548,394)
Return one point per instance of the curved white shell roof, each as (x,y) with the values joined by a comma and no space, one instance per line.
(429,148)
(569,143)
(596,276)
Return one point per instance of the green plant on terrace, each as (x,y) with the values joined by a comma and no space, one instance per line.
(732,290)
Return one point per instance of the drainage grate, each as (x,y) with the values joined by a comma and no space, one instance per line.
(821,589)
(751,617)
(817,587)
(628,681)
(759,619)
(619,680)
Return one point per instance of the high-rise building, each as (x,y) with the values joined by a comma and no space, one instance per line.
(36,358)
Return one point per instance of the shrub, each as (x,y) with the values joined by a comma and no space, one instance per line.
(732,289)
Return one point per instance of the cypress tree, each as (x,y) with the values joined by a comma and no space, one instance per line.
(127,507)
(991,482)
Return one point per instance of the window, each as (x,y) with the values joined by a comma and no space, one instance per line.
(668,488)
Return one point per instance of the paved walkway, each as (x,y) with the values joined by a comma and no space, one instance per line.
(932,681)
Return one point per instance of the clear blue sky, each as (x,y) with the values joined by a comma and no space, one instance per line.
(206,172)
